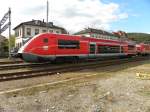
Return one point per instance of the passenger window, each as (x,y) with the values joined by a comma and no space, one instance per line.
(68,44)
(45,40)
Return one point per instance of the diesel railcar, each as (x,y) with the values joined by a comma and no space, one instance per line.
(143,49)
(50,47)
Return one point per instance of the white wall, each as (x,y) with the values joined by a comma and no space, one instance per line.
(40,30)
(19,39)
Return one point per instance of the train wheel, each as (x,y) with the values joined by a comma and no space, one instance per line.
(75,59)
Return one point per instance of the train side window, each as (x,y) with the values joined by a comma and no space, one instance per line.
(92,48)
(45,40)
(109,49)
(131,47)
(68,44)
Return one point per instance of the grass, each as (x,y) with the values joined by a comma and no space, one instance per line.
(144,93)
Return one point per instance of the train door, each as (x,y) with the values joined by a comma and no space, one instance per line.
(92,50)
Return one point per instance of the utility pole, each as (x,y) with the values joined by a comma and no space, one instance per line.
(9,12)
(0,29)
(47,10)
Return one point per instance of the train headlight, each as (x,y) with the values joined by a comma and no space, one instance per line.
(45,47)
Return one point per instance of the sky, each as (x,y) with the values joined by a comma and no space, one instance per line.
(74,15)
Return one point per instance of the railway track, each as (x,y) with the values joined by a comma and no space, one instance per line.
(11,66)
(10,62)
(22,65)
(67,68)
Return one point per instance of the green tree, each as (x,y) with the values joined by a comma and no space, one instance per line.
(12,41)
(5,44)
(139,37)
(4,48)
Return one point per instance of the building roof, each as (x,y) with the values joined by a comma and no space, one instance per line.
(92,30)
(40,24)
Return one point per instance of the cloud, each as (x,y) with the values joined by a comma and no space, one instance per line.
(123,16)
(33,10)
(70,14)
(78,14)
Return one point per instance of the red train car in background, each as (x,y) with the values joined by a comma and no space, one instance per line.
(51,47)
(143,49)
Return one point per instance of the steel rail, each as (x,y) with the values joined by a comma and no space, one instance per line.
(22,65)
(10,62)
(63,69)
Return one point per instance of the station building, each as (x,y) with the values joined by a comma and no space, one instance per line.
(97,33)
(26,30)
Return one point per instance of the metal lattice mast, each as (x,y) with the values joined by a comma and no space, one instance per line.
(47,11)
(9,32)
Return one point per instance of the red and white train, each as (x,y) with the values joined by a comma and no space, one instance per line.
(143,49)
(50,47)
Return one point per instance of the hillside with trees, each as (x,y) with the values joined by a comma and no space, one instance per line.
(139,37)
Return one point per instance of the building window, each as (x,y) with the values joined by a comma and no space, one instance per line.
(92,35)
(51,31)
(17,33)
(36,31)
(57,31)
(28,31)
(20,32)
(68,44)
(19,45)
(44,31)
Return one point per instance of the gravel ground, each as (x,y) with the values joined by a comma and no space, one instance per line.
(109,89)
